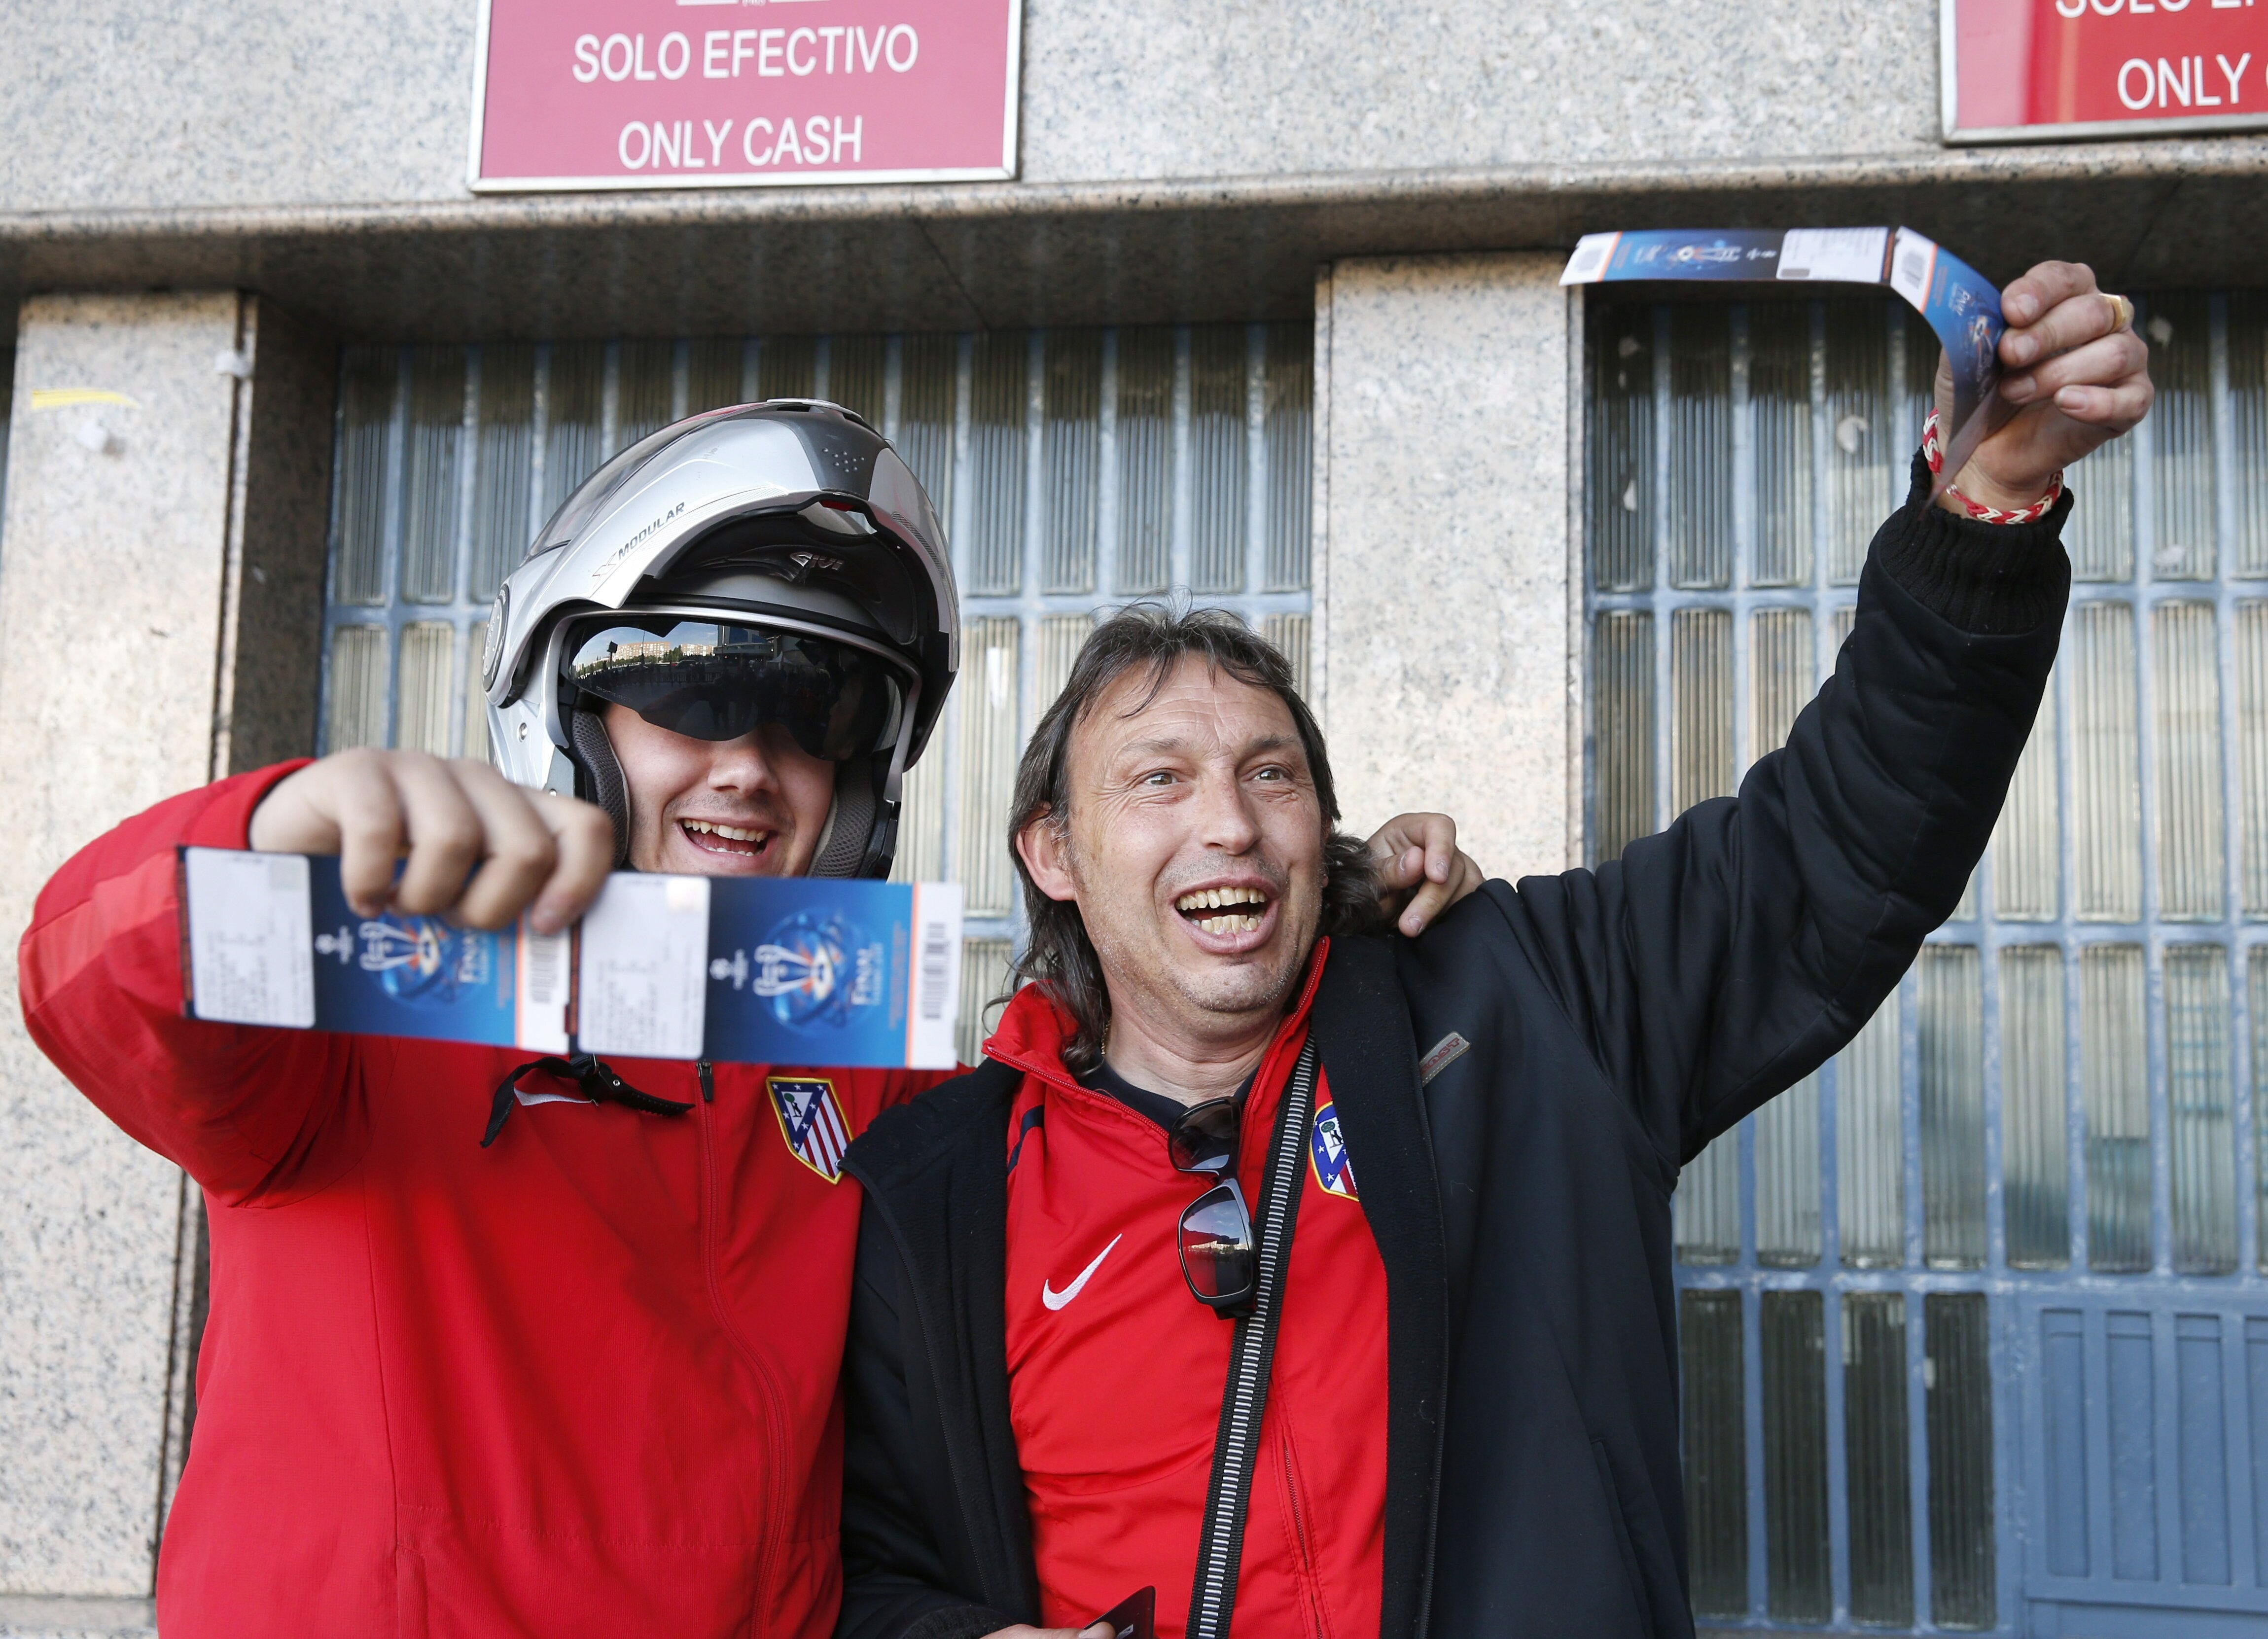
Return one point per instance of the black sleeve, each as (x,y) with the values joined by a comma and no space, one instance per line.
(895,1584)
(1720,961)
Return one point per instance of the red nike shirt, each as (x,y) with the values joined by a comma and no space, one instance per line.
(1115,1371)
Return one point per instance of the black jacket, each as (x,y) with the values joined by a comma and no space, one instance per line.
(1619,1018)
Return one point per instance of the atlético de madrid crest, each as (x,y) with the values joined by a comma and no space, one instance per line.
(812,1122)
(1326,1152)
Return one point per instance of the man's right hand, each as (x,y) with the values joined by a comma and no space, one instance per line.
(454,820)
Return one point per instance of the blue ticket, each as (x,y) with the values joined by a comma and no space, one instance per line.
(736,970)
(746,969)
(1960,304)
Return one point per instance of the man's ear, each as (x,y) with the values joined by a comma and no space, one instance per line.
(1044,847)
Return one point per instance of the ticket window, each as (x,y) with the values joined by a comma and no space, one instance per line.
(1076,471)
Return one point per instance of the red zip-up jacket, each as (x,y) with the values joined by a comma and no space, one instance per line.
(581,1381)
(1115,1370)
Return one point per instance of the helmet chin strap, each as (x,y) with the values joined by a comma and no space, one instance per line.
(842,839)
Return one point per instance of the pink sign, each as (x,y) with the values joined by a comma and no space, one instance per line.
(2030,70)
(739,94)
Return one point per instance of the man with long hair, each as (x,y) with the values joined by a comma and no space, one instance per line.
(1429,1180)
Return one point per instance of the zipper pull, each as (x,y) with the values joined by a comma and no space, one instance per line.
(708,1083)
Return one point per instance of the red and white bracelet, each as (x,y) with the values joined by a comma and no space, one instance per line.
(1932,450)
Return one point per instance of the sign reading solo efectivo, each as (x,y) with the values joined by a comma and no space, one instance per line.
(739,94)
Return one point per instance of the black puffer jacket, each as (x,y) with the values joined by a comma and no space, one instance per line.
(1619,1018)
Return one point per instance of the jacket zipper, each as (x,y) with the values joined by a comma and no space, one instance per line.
(775,1519)
(1295,1501)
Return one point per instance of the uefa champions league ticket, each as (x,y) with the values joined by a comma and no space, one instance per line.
(1960,304)
(734,969)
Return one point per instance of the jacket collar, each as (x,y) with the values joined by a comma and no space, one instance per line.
(1036,1026)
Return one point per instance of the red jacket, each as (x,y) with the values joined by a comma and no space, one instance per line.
(1115,1370)
(581,1381)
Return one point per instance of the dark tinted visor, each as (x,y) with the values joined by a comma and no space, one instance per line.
(716,682)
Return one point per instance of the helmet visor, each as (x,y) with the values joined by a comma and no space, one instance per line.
(715,682)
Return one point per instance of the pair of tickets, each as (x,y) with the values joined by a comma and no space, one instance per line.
(1960,304)
(734,969)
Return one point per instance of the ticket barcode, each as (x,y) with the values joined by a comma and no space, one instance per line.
(1588,264)
(1913,262)
(935,1014)
(547,969)
(546,985)
(937,952)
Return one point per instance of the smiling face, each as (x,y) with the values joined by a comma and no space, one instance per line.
(751,807)
(1194,851)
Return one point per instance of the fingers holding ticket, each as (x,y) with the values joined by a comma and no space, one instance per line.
(2073,370)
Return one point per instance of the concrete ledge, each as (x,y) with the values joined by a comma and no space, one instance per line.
(998,255)
(26,1617)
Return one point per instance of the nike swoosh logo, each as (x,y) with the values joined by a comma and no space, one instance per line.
(1054,1299)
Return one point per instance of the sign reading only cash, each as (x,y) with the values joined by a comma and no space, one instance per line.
(736,970)
(717,94)
(1960,304)
(2034,70)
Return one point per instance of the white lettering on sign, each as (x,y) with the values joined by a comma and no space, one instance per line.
(2074,9)
(2180,84)
(556,77)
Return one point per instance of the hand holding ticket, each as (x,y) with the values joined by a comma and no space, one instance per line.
(2032,378)
(736,969)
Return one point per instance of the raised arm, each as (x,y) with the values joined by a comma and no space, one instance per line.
(251,1112)
(1719,961)
(100,977)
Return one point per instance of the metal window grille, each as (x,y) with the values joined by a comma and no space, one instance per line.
(1076,469)
(2022,1209)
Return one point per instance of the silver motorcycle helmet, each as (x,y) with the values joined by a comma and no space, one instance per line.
(774,563)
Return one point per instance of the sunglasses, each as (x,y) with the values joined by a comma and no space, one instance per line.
(717,683)
(1220,1254)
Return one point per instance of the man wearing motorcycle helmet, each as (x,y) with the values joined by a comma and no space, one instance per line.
(500,1347)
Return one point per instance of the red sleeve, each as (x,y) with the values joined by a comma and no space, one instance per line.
(246,1111)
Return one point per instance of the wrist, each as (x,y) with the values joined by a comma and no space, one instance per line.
(1976,494)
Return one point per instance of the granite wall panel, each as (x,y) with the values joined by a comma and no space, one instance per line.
(1442,619)
(148,605)
(118,515)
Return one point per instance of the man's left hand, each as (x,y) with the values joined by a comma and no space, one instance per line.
(2081,377)
(1419,869)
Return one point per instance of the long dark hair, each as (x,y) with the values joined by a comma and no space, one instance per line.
(1059,955)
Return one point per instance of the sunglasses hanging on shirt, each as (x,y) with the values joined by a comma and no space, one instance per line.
(1220,1255)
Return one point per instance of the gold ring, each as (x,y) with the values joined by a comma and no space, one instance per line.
(2122,313)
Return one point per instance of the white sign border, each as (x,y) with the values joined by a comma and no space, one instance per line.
(1951,132)
(1005,172)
